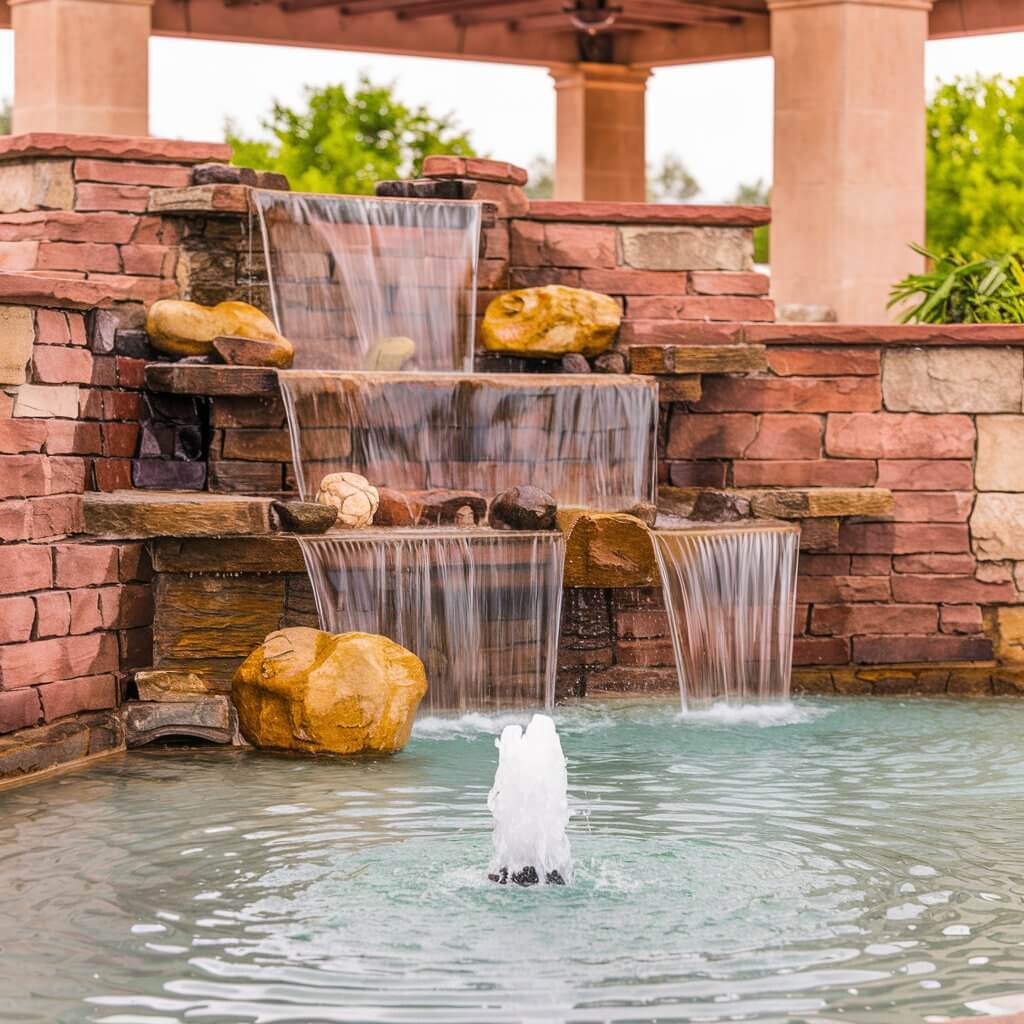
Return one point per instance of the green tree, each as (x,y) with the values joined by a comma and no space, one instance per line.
(975,160)
(757,193)
(5,117)
(670,181)
(541,184)
(346,141)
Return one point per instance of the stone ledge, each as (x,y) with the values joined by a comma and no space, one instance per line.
(694,359)
(29,752)
(145,514)
(210,380)
(210,718)
(789,502)
(227,200)
(681,214)
(79,293)
(112,147)
(932,679)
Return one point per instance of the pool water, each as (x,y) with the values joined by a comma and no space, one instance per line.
(826,860)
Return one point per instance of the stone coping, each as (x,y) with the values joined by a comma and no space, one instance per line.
(647,334)
(789,503)
(143,514)
(112,147)
(921,679)
(79,293)
(682,360)
(676,214)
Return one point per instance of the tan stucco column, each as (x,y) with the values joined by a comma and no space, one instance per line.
(848,189)
(81,65)
(600,132)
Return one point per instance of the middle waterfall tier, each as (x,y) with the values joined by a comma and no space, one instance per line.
(588,440)
(480,607)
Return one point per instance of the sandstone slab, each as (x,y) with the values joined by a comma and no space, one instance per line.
(17,334)
(313,692)
(997,527)
(953,379)
(1000,462)
(174,514)
(36,185)
(40,401)
(687,248)
(157,685)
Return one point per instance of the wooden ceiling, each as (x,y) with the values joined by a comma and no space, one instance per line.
(584,17)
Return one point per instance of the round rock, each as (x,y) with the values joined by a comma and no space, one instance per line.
(523,508)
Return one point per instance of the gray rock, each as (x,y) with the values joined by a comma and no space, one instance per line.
(225,174)
(573,362)
(211,718)
(303,516)
(610,362)
(523,508)
(168,475)
(720,507)
(134,343)
(427,188)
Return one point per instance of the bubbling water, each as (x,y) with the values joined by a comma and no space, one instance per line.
(530,805)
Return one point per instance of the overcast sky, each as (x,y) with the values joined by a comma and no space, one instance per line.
(717,117)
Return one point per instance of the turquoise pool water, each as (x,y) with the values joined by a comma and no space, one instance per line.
(858,860)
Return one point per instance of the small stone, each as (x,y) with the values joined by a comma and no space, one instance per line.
(237,351)
(225,174)
(314,692)
(393,509)
(163,685)
(168,475)
(440,506)
(464,517)
(388,354)
(427,188)
(720,507)
(645,511)
(573,362)
(352,495)
(610,362)
(550,321)
(523,508)
(303,516)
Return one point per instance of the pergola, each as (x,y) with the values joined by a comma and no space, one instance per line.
(849,93)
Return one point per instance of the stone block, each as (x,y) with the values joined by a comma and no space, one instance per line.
(1000,462)
(36,185)
(899,436)
(687,248)
(130,514)
(170,686)
(43,402)
(604,549)
(965,379)
(210,718)
(66,657)
(997,527)
(17,334)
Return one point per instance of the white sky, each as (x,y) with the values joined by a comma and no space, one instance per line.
(717,117)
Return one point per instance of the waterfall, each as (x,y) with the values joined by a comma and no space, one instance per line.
(587,440)
(479,607)
(730,592)
(348,272)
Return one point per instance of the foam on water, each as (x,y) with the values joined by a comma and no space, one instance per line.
(764,715)
(530,803)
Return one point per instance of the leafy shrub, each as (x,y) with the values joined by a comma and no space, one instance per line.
(962,290)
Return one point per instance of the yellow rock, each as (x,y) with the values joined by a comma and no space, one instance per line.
(181,328)
(390,353)
(315,692)
(550,321)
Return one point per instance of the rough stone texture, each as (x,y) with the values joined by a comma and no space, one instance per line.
(36,185)
(687,248)
(550,321)
(304,516)
(1006,630)
(312,692)
(573,362)
(523,508)
(1000,462)
(394,508)
(610,362)
(241,351)
(210,718)
(352,496)
(607,549)
(154,685)
(149,514)
(64,742)
(690,359)
(953,380)
(997,527)
(17,334)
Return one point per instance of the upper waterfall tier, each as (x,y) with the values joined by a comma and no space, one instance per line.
(587,440)
(347,272)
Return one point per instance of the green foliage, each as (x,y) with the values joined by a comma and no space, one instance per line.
(541,184)
(346,141)
(5,117)
(757,193)
(670,182)
(975,160)
(962,290)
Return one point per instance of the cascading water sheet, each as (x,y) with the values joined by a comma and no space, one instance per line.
(730,592)
(587,440)
(349,272)
(480,607)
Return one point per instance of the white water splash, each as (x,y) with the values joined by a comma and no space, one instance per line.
(530,804)
(763,715)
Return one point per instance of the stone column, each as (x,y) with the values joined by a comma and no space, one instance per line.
(81,66)
(848,191)
(600,132)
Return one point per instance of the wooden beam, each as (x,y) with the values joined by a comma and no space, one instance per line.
(523,8)
(435,8)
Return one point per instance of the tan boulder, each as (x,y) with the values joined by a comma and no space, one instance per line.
(550,321)
(607,549)
(315,692)
(355,498)
(180,328)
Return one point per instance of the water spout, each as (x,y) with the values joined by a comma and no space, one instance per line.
(530,805)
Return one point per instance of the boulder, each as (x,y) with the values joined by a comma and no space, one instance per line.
(390,353)
(607,549)
(355,498)
(393,509)
(179,328)
(523,508)
(314,692)
(550,321)
(238,351)
(304,516)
